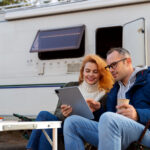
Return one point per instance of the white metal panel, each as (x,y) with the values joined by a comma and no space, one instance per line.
(134,40)
(14,125)
(76,6)
(27,101)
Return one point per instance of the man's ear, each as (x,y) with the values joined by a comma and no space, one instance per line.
(129,60)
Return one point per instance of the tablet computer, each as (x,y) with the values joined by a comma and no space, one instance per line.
(73,97)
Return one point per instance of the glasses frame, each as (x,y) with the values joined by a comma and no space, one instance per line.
(114,64)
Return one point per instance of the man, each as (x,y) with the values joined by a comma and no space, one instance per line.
(121,124)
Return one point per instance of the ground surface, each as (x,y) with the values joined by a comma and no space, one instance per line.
(12,140)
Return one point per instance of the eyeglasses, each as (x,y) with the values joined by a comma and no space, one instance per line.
(114,64)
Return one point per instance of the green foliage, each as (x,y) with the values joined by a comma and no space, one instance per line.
(9,2)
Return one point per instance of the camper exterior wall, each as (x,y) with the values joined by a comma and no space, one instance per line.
(75,6)
(27,83)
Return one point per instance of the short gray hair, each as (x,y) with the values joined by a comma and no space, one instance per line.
(120,50)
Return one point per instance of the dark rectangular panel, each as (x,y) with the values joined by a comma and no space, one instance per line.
(58,39)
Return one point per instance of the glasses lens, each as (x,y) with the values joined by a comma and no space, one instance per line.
(114,64)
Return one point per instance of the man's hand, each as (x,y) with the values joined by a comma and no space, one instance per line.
(94,105)
(128,111)
(66,110)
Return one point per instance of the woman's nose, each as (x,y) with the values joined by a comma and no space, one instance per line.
(91,73)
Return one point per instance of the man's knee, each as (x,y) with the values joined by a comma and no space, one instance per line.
(111,122)
(108,119)
(106,116)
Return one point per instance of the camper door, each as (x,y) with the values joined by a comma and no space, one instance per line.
(134,40)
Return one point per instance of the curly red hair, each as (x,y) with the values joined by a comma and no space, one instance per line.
(106,80)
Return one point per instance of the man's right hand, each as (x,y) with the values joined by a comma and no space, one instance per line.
(66,110)
(128,111)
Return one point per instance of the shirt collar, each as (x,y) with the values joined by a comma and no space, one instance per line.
(133,75)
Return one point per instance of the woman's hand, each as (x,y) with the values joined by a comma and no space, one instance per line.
(94,105)
(66,110)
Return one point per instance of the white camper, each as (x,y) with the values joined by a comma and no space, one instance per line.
(42,46)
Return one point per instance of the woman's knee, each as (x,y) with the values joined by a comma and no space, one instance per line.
(46,116)
(71,123)
(43,114)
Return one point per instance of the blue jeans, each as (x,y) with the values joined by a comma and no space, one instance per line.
(37,139)
(112,132)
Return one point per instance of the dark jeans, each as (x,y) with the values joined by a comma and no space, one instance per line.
(37,139)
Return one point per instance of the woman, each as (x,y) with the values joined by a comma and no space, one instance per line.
(94,83)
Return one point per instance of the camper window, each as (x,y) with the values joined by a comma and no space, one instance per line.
(59,43)
(107,38)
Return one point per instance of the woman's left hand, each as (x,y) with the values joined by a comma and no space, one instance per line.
(94,105)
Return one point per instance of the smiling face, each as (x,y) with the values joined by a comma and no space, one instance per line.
(91,74)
